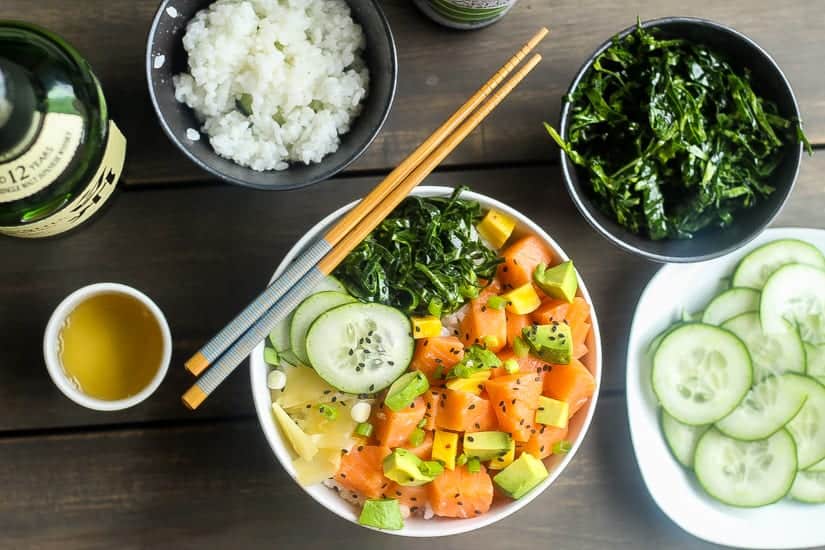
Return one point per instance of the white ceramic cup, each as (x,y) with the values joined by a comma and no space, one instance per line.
(52,356)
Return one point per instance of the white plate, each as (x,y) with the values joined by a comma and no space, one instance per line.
(786,524)
(436,527)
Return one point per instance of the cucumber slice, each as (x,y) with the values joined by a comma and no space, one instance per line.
(754,269)
(306,313)
(701,373)
(746,473)
(766,408)
(808,426)
(771,354)
(360,348)
(809,487)
(818,467)
(681,438)
(279,337)
(795,293)
(815,361)
(729,304)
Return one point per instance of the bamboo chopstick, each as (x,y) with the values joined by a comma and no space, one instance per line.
(295,271)
(242,347)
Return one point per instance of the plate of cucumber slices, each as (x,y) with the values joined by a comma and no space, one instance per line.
(726,392)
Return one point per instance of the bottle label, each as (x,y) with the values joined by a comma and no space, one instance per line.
(47,158)
(88,202)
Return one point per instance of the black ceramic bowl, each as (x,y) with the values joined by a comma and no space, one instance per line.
(768,81)
(165,35)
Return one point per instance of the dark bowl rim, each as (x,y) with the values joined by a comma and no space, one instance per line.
(327,174)
(568,168)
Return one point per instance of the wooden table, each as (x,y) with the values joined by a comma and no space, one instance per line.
(158,475)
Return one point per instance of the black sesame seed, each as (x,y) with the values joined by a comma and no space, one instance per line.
(483,309)
(351,351)
(470,438)
(504,269)
(390,363)
(448,446)
(343,475)
(460,503)
(542,448)
(327,392)
(372,387)
(472,406)
(417,329)
(513,402)
(457,495)
(334,399)
(398,493)
(360,448)
(309,405)
(501,403)
(477,425)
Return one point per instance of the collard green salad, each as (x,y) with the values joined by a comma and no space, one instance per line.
(425,258)
(671,138)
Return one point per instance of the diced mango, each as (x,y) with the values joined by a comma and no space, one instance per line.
(469,384)
(501,462)
(445,447)
(522,300)
(552,412)
(426,327)
(496,228)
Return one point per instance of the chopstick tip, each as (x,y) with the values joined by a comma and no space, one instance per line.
(197,364)
(193,397)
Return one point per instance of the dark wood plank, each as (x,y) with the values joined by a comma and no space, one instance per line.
(202,252)
(111,33)
(218,486)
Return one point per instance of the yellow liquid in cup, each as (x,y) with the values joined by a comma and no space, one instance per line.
(111,346)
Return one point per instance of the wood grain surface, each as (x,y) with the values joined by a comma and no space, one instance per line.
(219,485)
(431,85)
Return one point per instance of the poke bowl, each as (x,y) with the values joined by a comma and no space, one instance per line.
(529,447)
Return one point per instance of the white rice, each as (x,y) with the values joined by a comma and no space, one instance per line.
(299,60)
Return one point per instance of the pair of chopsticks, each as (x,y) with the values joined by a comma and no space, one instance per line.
(227,349)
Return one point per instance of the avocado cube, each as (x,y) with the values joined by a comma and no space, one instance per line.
(557,282)
(382,514)
(486,445)
(445,448)
(517,479)
(404,468)
(553,343)
(552,412)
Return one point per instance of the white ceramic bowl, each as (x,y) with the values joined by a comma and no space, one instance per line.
(51,352)
(418,527)
(785,524)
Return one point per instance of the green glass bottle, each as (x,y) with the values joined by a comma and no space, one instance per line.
(60,155)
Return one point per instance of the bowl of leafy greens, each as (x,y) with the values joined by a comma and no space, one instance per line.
(680,139)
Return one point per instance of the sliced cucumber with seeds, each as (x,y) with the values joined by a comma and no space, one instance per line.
(755,268)
(701,373)
(808,426)
(681,438)
(360,348)
(815,361)
(766,408)
(795,293)
(746,473)
(729,304)
(306,313)
(771,354)
(279,337)
(818,467)
(809,487)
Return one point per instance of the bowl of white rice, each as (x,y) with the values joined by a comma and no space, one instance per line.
(271,94)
